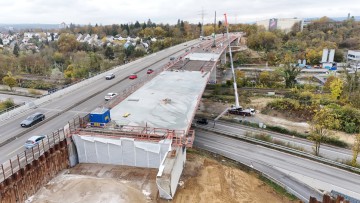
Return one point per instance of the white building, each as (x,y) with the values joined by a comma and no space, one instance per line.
(284,24)
(353,57)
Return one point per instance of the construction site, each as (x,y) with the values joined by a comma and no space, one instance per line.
(144,128)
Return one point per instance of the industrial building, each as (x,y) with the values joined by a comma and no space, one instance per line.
(284,24)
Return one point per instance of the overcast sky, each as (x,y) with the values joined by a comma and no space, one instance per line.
(167,11)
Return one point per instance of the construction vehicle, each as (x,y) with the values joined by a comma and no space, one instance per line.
(242,112)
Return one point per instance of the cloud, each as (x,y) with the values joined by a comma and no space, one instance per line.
(165,11)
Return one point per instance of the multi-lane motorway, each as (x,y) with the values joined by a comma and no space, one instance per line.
(86,99)
(327,151)
(293,171)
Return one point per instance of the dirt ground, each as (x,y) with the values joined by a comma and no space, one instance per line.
(291,124)
(203,180)
(207,180)
(208,107)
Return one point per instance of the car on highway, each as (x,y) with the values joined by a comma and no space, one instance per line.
(149,71)
(132,76)
(172,58)
(32,120)
(202,121)
(34,141)
(110,96)
(110,76)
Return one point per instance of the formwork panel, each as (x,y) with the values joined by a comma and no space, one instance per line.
(102,150)
(141,158)
(90,150)
(128,151)
(115,151)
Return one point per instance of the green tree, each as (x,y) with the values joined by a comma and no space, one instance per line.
(356,150)
(129,50)
(9,80)
(16,50)
(323,120)
(109,53)
(289,73)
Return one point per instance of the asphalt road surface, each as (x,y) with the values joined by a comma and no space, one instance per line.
(11,127)
(327,151)
(292,171)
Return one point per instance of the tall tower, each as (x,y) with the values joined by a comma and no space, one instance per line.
(202,22)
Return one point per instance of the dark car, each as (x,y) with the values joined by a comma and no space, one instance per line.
(110,76)
(202,121)
(32,120)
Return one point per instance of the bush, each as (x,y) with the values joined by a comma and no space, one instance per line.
(37,84)
(8,103)
(285,131)
(34,92)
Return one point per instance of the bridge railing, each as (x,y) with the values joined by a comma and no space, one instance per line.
(14,164)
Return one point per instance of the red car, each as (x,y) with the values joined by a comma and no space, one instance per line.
(149,71)
(132,76)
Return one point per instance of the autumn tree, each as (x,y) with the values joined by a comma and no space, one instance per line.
(336,88)
(356,150)
(67,43)
(323,120)
(9,80)
(263,41)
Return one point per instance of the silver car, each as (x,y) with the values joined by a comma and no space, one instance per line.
(34,141)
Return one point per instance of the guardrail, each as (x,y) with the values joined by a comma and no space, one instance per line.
(283,148)
(14,164)
(70,88)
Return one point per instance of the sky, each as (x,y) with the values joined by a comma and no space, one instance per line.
(167,11)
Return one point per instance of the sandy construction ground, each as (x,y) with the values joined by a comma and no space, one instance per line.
(204,180)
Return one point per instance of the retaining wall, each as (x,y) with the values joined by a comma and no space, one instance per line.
(28,180)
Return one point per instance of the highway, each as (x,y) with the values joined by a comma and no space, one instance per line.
(81,101)
(327,151)
(294,172)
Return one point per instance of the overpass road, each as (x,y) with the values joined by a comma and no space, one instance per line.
(327,151)
(81,101)
(295,172)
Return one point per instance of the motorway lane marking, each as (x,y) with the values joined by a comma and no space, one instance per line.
(47,109)
(336,152)
(251,164)
(298,157)
(287,171)
(15,150)
(315,182)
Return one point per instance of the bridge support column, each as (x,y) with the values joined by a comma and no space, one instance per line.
(223,57)
(213,76)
